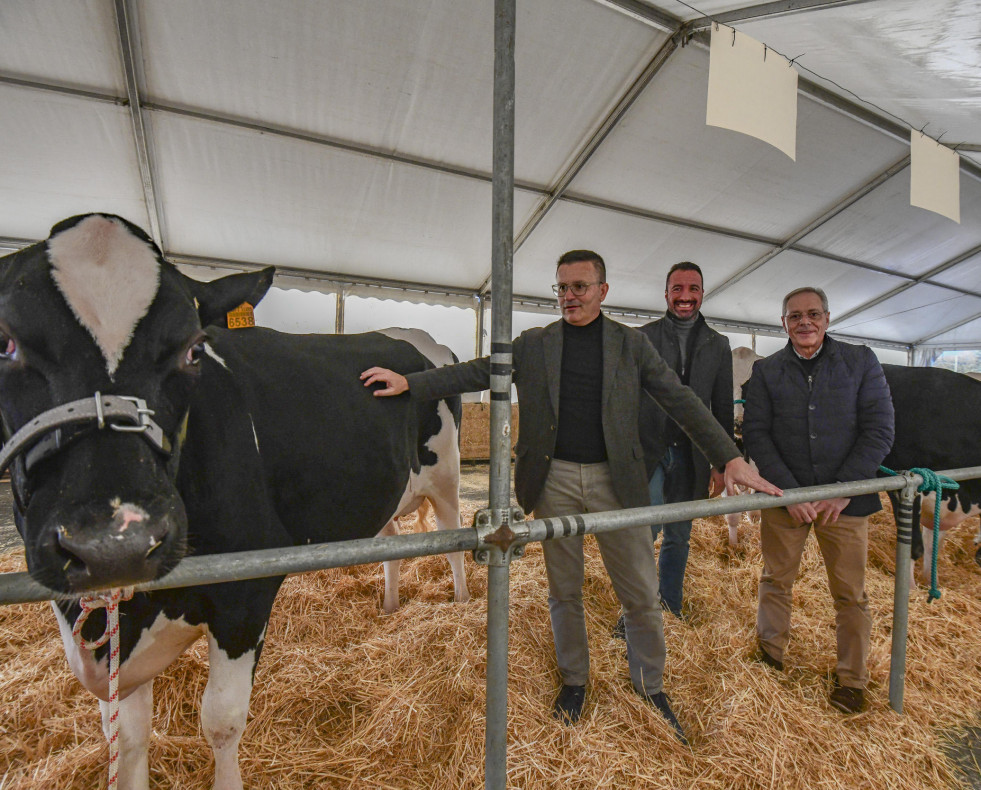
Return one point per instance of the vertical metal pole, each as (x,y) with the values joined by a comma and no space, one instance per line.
(479,344)
(900,610)
(502,235)
(339,312)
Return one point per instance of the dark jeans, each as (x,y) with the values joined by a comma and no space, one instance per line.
(672,482)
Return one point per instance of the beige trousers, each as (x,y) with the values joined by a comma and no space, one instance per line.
(628,555)
(844,546)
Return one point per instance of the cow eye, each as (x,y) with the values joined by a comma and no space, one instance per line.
(8,347)
(192,357)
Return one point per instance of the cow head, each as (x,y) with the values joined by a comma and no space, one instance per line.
(96,309)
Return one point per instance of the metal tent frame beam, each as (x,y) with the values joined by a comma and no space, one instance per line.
(590,146)
(828,215)
(777,8)
(924,340)
(128,35)
(569,196)
(923,278)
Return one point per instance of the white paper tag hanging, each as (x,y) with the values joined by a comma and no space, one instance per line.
(752,90)
(934,182)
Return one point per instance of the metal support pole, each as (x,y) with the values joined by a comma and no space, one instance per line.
(900,611)
(339,311)
(479,341)
(502,230)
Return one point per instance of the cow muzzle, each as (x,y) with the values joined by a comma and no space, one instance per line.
(115,542)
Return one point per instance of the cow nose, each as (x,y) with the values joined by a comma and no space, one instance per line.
(122,552)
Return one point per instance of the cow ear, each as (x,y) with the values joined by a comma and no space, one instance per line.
(218,297)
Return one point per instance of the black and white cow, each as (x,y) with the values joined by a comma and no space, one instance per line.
(443,478)
(938,426)
(257,440)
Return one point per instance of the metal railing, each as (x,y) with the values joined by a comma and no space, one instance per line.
(485,540)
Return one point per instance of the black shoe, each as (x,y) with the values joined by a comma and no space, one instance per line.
(676,612)
(847,699)
(765,658)
(620,630)
(568,705)
(663,705)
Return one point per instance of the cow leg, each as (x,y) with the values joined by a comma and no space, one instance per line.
(447,509)
(391,602)
(224,709)
(733,519)
(135,715)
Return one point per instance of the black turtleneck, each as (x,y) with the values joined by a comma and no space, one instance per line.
(580,431)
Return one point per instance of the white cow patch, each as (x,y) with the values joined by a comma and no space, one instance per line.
(436,353)
(158,647)
(214,355)
(109,277)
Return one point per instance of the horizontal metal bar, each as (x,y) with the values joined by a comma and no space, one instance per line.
(214,568)
(771,9)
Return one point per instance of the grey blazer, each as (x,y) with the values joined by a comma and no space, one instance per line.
(631,366)
(711,381)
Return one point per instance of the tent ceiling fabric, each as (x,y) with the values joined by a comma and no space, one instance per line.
(342,139)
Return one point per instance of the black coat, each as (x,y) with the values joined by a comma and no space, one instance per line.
(710,377)
(835,426)
(631,367)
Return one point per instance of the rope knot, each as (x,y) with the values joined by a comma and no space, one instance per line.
(89,603)
(936,483)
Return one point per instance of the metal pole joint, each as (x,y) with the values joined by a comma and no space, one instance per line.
(501,535)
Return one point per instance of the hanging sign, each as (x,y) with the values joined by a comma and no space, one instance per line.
(935,171)
(752,90)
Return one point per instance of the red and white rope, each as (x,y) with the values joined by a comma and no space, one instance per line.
(110,600)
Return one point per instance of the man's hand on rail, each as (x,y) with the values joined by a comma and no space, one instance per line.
(739,472)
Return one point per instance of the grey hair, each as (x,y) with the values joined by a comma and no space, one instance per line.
(807,289)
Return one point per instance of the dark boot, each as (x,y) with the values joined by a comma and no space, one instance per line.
(847,699)
(568,705)
(765,658)
(620,629)
(663,705)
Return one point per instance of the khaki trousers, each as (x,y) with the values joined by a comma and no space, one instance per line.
(628,555)
(844,547)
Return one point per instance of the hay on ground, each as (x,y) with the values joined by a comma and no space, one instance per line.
(348,697)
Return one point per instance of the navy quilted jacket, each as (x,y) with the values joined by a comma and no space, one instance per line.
(834,426)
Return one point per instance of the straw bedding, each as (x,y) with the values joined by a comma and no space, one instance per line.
(346,696)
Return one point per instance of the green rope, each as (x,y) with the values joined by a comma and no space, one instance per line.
(737,402)
(936,483)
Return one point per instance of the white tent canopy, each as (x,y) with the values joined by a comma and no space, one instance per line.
(349,144)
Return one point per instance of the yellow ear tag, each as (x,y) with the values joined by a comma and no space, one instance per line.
(241,317)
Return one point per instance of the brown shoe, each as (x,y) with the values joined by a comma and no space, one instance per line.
(847,699)
(765,658)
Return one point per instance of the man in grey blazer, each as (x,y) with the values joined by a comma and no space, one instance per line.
(703,361)
(580,382)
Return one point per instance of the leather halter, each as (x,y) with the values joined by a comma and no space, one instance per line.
(45,435)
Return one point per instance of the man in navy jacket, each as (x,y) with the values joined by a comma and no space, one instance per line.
(818,411)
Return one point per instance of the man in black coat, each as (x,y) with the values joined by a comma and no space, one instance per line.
(703,361)
(817,412)
(580,382)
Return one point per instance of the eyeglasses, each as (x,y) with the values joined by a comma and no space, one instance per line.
(578,289)
(812,315)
